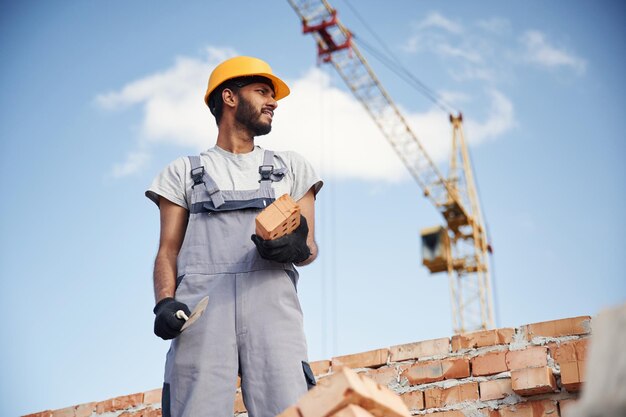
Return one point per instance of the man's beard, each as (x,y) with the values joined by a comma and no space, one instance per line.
(250,118)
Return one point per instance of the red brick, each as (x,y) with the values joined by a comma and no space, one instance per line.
(528,358)
(85,410)
(370,359)
(581,346)
(532,381)
(424,372)
(570,351)
(414,400)
(384,376)
(431,371)
(482,338)
(441,397)
(544,408)
(489,364)
(582,371)
(422,349)
(346,387)
(46,413)
(64,412)
(571,377)
(455,368)
(119,403)
(278,219)
(146,412)
(495,389)
(352,411)
(152,397)
(238,406)
(292,411)
(558,328)
(571,357)
(451,413)
(473,413)
(320,367)
(383,401)
(327,379)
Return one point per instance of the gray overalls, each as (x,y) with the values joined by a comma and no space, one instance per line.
(253,322)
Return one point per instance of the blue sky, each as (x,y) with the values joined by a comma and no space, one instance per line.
(99,96)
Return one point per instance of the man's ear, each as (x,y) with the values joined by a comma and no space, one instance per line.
(229,97)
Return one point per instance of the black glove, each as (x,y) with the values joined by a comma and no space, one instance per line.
(166,324)
(288,248)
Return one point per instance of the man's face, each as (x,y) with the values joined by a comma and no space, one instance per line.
(256,108)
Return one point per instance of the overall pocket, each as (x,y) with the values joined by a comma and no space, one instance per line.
(308,375)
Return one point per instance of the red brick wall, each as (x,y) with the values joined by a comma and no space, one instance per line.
(532,371)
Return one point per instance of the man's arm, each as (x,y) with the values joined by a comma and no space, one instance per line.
(173,226)
(307,209)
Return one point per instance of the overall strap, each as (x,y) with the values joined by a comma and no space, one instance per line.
(200,176)
(268,173)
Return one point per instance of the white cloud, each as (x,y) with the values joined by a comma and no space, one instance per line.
(172,101)
(135,160)
(487,50)
(500,119)
(455,44)
(454,97)
(464,53)
(435,132)
(540,52)
(318,120)
(436,20)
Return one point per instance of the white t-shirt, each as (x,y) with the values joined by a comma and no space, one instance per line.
(234,172)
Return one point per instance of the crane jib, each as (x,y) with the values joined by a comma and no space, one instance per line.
(461,248)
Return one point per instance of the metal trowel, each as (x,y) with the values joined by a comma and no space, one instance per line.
(195,314)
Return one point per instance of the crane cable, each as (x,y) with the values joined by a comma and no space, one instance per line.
(329,281)
(393,64)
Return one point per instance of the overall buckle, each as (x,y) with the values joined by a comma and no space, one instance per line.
(196,176)
(266,172)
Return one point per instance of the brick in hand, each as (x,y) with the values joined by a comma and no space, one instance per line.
(352,411)
(278,219)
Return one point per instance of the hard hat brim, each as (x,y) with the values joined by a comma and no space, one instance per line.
(281,90)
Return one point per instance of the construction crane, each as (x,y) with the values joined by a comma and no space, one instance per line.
(460,248)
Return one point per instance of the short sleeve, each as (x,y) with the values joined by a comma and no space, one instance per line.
(170,184)
(304,176)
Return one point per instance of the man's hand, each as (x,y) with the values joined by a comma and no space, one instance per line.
(289,248)
(166,324)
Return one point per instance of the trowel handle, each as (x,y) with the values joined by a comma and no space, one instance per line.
(180,314)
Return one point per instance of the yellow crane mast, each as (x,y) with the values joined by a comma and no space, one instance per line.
(460,248)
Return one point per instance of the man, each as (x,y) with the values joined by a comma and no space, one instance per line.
(252,325)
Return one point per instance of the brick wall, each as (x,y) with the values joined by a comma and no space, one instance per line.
(536,370)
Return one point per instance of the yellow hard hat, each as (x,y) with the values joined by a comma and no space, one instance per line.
(242,66)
